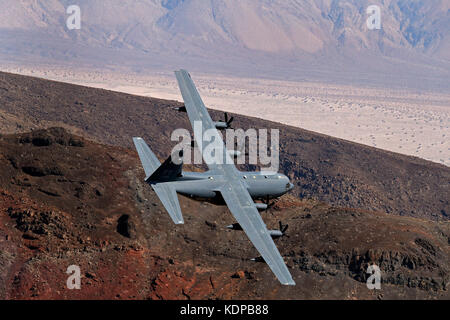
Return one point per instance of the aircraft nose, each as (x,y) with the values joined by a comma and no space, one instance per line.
(289,186)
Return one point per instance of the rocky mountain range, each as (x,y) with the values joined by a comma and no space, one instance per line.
(325,40)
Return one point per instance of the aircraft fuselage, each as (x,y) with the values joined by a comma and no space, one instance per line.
(203,185)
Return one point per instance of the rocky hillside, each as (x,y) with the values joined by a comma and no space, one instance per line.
(65,200)
(322,168)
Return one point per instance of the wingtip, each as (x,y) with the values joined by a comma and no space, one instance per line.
(182,71)
(288,281)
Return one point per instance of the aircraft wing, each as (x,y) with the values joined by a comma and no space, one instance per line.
(200,119)
(244,210)
(233,191)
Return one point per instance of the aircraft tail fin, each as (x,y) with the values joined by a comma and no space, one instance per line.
(168,171)
(157,175)
(169,198)
(148,159)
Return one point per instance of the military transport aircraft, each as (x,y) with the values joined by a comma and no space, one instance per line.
(222,183)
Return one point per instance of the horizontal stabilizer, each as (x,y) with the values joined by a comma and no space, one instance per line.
(169,198)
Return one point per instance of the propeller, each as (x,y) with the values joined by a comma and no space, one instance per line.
(269,204)
(227,120)
(279,233)
(283,228)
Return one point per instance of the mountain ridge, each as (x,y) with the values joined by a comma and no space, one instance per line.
(316,39)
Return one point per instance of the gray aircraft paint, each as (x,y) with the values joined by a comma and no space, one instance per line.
(221,184)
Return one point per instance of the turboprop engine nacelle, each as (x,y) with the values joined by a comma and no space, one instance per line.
(224,124)
(261,206)
(180,109)
(275,233)
(221,125)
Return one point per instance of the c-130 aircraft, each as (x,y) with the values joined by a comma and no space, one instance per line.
(222,182)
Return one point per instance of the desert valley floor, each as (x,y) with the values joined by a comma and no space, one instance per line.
(399,120)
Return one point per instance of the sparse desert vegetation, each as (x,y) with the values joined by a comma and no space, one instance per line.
(405,121)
